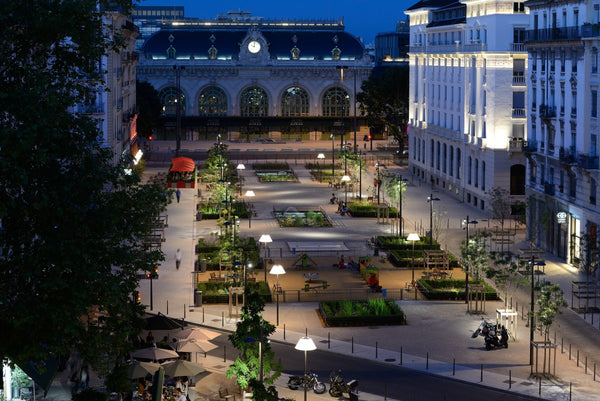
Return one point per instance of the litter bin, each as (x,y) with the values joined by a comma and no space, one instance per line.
(203,265)
(197,298)
(199,216)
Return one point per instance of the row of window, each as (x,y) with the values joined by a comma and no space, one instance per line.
(254,102)
(570,179)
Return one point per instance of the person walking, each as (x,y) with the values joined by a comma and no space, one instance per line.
(178,194)
(177,258)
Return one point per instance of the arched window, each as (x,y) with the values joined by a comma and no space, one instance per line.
(254,102)
(169,100)
(294,102)
(334,101)
(212,102)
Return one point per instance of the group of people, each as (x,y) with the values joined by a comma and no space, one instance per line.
(175,389)
(343,209)
(351,264)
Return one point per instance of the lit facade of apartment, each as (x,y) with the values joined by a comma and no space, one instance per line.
(467,113)
(562,138)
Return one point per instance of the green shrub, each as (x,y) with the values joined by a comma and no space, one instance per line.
(361,313)
(271,166)
(452,289)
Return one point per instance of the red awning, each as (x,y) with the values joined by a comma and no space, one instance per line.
(182,164)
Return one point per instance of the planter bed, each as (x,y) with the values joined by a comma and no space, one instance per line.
(372,312)
(217,292)
(403,258)
(452,290)
(367,209)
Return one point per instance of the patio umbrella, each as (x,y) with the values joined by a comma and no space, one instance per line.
(181,368)
(197,333)
(154,354)
(140,369)
(161,322)
(193,346)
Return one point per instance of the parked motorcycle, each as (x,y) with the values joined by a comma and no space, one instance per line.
(494,336)
(338,386)
(311,380)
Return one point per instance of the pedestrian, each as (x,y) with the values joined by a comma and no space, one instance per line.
(177,258)
(179,395)
(178,194)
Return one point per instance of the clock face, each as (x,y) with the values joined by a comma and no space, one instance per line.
(254,47)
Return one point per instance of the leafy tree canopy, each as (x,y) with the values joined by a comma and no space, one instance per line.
(72,223)
(149,107)
(384,100)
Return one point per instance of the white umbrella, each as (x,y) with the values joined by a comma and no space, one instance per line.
(140,369)
(154,354)
(193,346)
(197,333)
(181,368)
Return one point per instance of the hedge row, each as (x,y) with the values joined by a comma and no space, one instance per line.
(216,292)
(403,258)
(395,317)
(387,242)
(451,289)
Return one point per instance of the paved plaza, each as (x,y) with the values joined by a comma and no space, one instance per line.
(440,331)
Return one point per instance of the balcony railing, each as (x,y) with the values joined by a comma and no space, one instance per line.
(518,112)
(553,34)
(566,156)
(548,188)
(588,162)
(517,47)
(515,145)
(518,80)
(547,111)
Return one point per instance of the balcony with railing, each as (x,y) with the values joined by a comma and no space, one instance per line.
(587,161)
(519,80)
(518,112)
(517,48)
(548,188)
(566,155)
(553,34)
(547,111)
(515,144)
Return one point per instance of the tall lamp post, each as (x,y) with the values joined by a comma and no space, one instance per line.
(305,344)
(178,69)
(265,239)
(277,270)
(249,194)
(320,156)
(430,200)
(412,237)
(355,124)
(378,181)
(342,68)
(240,167)
(332,158)
(400,184)
(532,264)
(466,224)
(345,180)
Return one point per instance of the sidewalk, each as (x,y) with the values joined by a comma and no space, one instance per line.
(444,339)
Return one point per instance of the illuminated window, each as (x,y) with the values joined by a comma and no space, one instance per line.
(254,102)
(212,102)
(169,100)
(332,102)
(294,102)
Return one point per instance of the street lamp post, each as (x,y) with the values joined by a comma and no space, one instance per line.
(466,223)
(400,190)
(378,181)
(343,96)
(320,156)
(532,263)
(178,69)
(265,239)
(277,270)
(360,175)
(332,158)
(430,200)
(412,237)
(240,167)
(345,180)
(355,124)
(249,194)
(305,344)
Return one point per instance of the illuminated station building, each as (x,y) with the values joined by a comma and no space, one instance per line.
(467,106)
(247,78)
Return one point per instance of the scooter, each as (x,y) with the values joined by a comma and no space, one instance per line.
(338,386)
(494,336)
(309,381)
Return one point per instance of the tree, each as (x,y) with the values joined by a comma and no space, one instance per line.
(251,330)
(500,204)
(384,100)
(473,255)
(149,107)
(504,272)
(72,222)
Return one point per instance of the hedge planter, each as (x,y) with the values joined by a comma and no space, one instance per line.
(218,292)
(452,290)
(371,312)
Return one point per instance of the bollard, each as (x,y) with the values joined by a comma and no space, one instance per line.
(376,349)
(570,391)
(481,370)
(562,343)
(224,353)
(509,379)
(203,314)
(183,315)
(577,358)
(167,306)
(569,352)
(453,366)
(540,388)
(222,319)
(594,371)
(427,362)
(328,340)
(284,332)
(585,371)
(353,345)
(400,356)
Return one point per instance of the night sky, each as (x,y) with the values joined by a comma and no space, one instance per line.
(363,18)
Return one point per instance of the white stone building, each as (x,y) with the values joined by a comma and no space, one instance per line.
(467,117)
(244,77)
(562,138)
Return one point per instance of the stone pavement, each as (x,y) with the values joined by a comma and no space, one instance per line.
(440,330)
